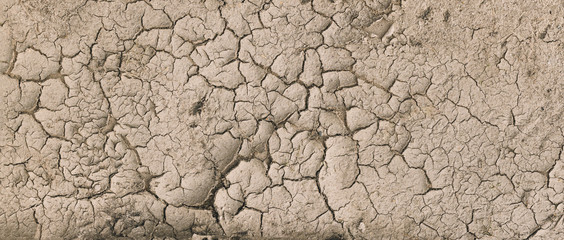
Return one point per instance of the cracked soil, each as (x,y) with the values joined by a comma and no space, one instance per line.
(281,119)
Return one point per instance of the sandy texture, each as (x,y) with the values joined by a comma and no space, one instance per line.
(281,119)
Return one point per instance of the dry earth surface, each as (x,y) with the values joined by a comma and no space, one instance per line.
(281,119)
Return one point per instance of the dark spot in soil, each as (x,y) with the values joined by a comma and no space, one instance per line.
(416,43)
(530,73)
(425,14)
(197,108)
(446,16)
(335,237)
(542,34)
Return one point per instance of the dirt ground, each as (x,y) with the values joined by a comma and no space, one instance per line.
(281,119)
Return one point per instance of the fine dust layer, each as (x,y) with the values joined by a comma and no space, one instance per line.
(281,119)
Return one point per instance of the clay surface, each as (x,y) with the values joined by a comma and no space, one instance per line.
(281,119)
